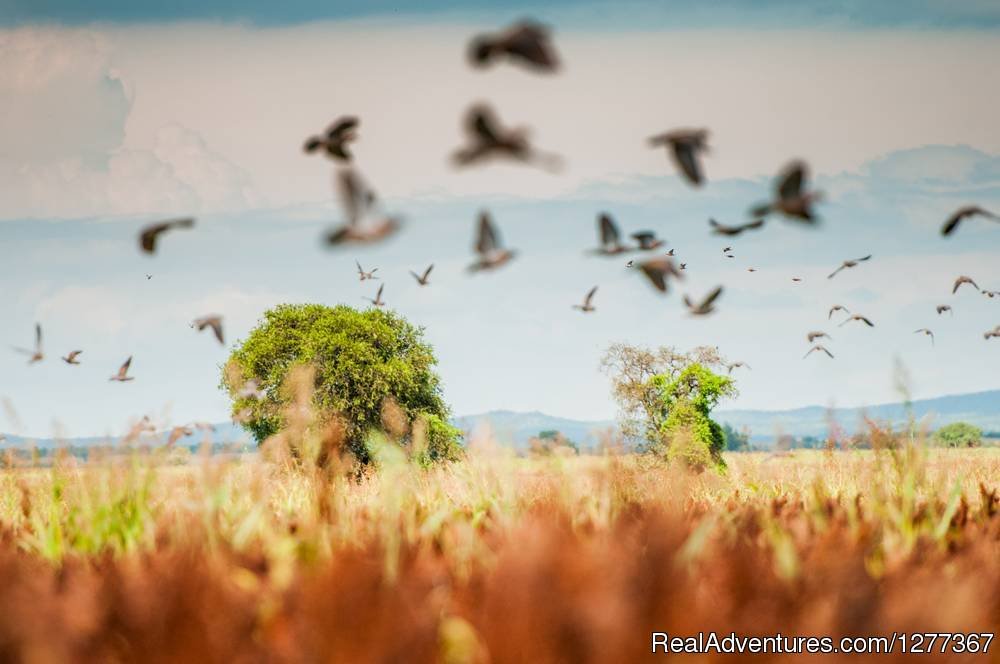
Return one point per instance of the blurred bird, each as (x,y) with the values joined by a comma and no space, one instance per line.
(727,250)
(995,332)
(848,264)
(941,308)
(683,266)
(963,280)
(378,302)
(122,375)
(587,305)
(860,318)
(487,139)
(736,365)
(334,141)
(990,293)
(797,280)
(177,433)
(491,253)
(706,306)
(148,277)
(422,279)
(71,358)
(214,321)
(647,240)
(963,213)
(149,235)
(659,271)
(35,355)
(609,236)
(670,252)
(751,269)
(719,229)
(525,42)
(813,336)
(815,348)
(364,224)
(791,199)
(685,146)
(630,264)
(362,275)
(835,308)
(927,332)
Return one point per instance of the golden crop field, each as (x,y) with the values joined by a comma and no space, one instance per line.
(491,559)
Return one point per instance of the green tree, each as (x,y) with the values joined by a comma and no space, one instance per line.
(683,417)
(359,362)
(959,434)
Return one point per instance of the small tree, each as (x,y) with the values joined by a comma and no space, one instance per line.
(959,434)
(360,363)
(736,441)
(684,405)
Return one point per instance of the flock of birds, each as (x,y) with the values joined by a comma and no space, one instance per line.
(529,44)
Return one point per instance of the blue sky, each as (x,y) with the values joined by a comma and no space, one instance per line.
(113,123)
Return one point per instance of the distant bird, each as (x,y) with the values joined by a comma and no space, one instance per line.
(526,42)
(941,308)
(422,279)
(214,321)
(122,375)
(813,336)
(719,229)
(71,358)
(835,308)
(609,236)
(791,197)
(177,433)
(751,269)
(647,240)
(848,264)
(670,253)
(706,306)
(927,332)
(587,305)
(35,355)
(149,235)
(797,280)
(148,277)
(860,318)
(659,271)
(963,280)
(335,139)
(963,213)
(995,332)
(487,139)
(815,348)
(364,224)
(736,365)
(488,246)
(378,302)
(991,293)
(683,266)
(685,146)
(630,264)
(362,275)
(727,250)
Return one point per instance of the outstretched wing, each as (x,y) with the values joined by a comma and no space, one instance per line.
(486,238)
(790,183)
(608,230)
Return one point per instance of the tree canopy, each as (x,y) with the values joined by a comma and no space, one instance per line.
(959,434)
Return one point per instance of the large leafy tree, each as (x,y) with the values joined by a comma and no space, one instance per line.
(359,362)
(959,434)
(683,416)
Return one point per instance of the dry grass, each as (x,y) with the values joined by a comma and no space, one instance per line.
(491,559)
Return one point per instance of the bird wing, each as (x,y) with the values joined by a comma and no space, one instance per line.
(486,238)
(38,337)
(712,297)
(530,41)
(790,183)
(826,351)
(590,296)
(656,275)
(427,272)
(835,272)
(608,230)
(482,124)
(378,295)
(753,225)
(865,321)
(684,155)
(863,259)
(342,126)
(123,370)
(352,195)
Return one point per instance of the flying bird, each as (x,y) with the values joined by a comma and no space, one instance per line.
(378,302)
(727,250)
(995,332)
(587,305)
(791,197)
(364,224)
(148,277)
(797,280)
(647,240)
(487,139)
(177,433)
(848,264)
(630,264)
(706,306)
(991,293)
(963,280)
(526,42)
(683,266)
(963,213)
(719,229)
(149,235)
(362,275)
(609,236)
(941,308)
(813,336)
(422,279)
(835,308)
(860,318)
(71,358)
(214,321)
(670,252)
(927,332)
(815,348)
(488,246)
(122,375)
(686,147)
(335,139)
(736,365)
(659,271)
(35,355)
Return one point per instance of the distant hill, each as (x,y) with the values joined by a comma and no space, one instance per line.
(515,428)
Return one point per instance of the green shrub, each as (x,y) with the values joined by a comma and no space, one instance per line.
(959,434)
(359,361)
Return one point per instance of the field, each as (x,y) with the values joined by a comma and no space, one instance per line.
(491,559)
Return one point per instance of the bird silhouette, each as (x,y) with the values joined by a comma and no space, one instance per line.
(848,264)
(659,271)
(963,213)
(990,334)
(963,280)
(526,43)
(587,305)
(334,140)
(362,275)
(422,279)
(491,253)
(36,354)
(858,317)
(941,308)
(813,336)
(609,236)
(365,223)
(487,140)
(791,197)
(149,235)
(706,305)
(736,365)
(835,308)
(719,229)
(71,358)
(686,147)
(647,240)
(378,302)
(122,375)
(815,348)
(213,321)
(927,332)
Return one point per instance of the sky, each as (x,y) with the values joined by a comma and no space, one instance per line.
(118,114)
